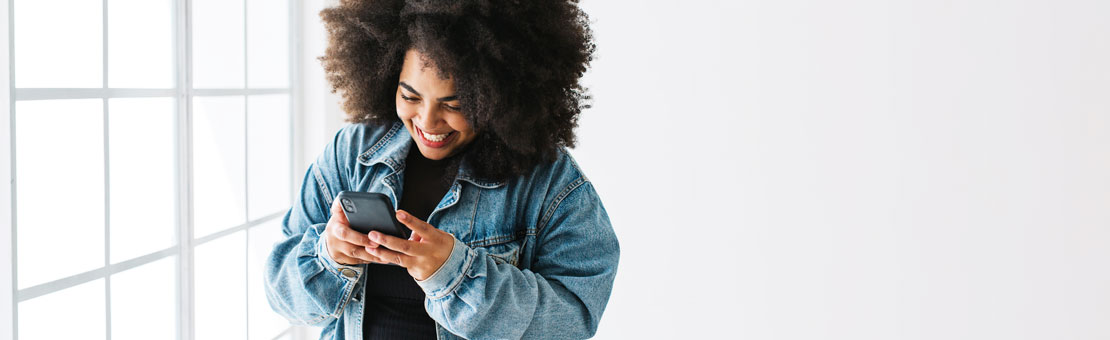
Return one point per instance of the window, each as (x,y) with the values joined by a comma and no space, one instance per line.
(150,146)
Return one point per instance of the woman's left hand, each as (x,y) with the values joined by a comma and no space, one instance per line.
(422,254)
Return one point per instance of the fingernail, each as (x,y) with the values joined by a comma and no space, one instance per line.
(374,236)
(401,215)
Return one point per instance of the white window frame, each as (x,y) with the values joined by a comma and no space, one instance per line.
(183,93)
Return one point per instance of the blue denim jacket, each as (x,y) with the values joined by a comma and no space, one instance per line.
(534,256)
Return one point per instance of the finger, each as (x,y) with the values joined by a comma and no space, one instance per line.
(396,244)
(417,226)
(338,213)
(343,232)
(392,256)
(346,260)
(376,259)
(362,254)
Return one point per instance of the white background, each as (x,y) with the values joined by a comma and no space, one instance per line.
(844,170)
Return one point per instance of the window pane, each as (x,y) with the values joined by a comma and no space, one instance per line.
(221,302)
(264,323)
(59,188)
(72,313)
(218,43)
(58,43)
(268,43)
(268,154)
(144,304)
(141,166)
(218,164)
(140,43)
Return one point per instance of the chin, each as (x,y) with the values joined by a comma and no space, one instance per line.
(434,154)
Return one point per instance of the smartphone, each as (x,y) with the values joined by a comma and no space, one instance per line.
(368,211)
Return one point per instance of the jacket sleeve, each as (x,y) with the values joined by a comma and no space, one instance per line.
(563,294)
(303,283)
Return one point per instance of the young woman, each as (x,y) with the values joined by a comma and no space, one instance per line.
(461,112)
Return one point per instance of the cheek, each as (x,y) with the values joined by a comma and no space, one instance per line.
(404,111)
(458,123)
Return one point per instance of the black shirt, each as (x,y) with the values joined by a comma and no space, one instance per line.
(394,307)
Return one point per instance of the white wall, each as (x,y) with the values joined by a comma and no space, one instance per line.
(854,169)
(319,114)
(849,169)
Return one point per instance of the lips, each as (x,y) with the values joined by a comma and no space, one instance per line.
(435,140)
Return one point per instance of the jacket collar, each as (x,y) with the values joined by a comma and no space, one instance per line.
(392,148)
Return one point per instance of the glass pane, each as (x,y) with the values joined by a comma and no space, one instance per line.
(140,43)
(58,43)
(218,43)
(264,323)
(218,164)
(268,154)
(141,169)
(59,188)
(144,301)
(267,43)
(72,313)
(221,301)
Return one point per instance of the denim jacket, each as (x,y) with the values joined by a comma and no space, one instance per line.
(534,256)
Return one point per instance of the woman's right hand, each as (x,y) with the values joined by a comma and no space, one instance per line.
(345,245)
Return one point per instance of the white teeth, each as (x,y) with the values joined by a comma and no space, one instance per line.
(434,138)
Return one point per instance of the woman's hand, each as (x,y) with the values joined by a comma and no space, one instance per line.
(422,254)
(345,245)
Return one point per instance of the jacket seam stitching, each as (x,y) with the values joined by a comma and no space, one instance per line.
(462,277)
(346,299)
(318,319)
(492,241)
(474,212)
(559,200)
(323,186)
(365,156)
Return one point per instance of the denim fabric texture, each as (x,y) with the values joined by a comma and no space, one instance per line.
(534,256)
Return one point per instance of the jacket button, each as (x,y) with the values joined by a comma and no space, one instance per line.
(349,273)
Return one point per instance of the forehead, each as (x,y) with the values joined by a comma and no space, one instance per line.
(423,75)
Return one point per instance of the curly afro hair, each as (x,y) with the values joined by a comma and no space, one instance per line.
(516,66)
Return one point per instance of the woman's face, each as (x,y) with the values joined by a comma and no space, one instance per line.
(429,108)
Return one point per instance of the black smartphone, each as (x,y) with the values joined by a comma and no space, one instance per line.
(368,211)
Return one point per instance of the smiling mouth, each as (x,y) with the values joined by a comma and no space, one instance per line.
(434,139)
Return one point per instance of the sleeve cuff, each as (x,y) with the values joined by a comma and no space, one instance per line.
(450,274)
(348,272)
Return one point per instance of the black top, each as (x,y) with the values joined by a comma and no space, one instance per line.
(394,307)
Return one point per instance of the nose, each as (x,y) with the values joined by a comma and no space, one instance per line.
(430,116)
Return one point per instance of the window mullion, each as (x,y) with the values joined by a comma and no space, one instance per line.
(183,65)
(107,172)
(8,265)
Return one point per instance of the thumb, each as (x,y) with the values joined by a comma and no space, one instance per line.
(337,212)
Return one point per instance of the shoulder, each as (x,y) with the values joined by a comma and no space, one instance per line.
(559,179)
(563,170)
(361,137)
(357,142)
(351,145)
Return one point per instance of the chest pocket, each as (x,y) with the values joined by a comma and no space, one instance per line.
(506,252)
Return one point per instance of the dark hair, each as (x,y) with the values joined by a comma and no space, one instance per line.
(516,66)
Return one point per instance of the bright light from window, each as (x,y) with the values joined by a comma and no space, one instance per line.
(59,188)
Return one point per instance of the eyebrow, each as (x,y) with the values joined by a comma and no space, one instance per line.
(442,99)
